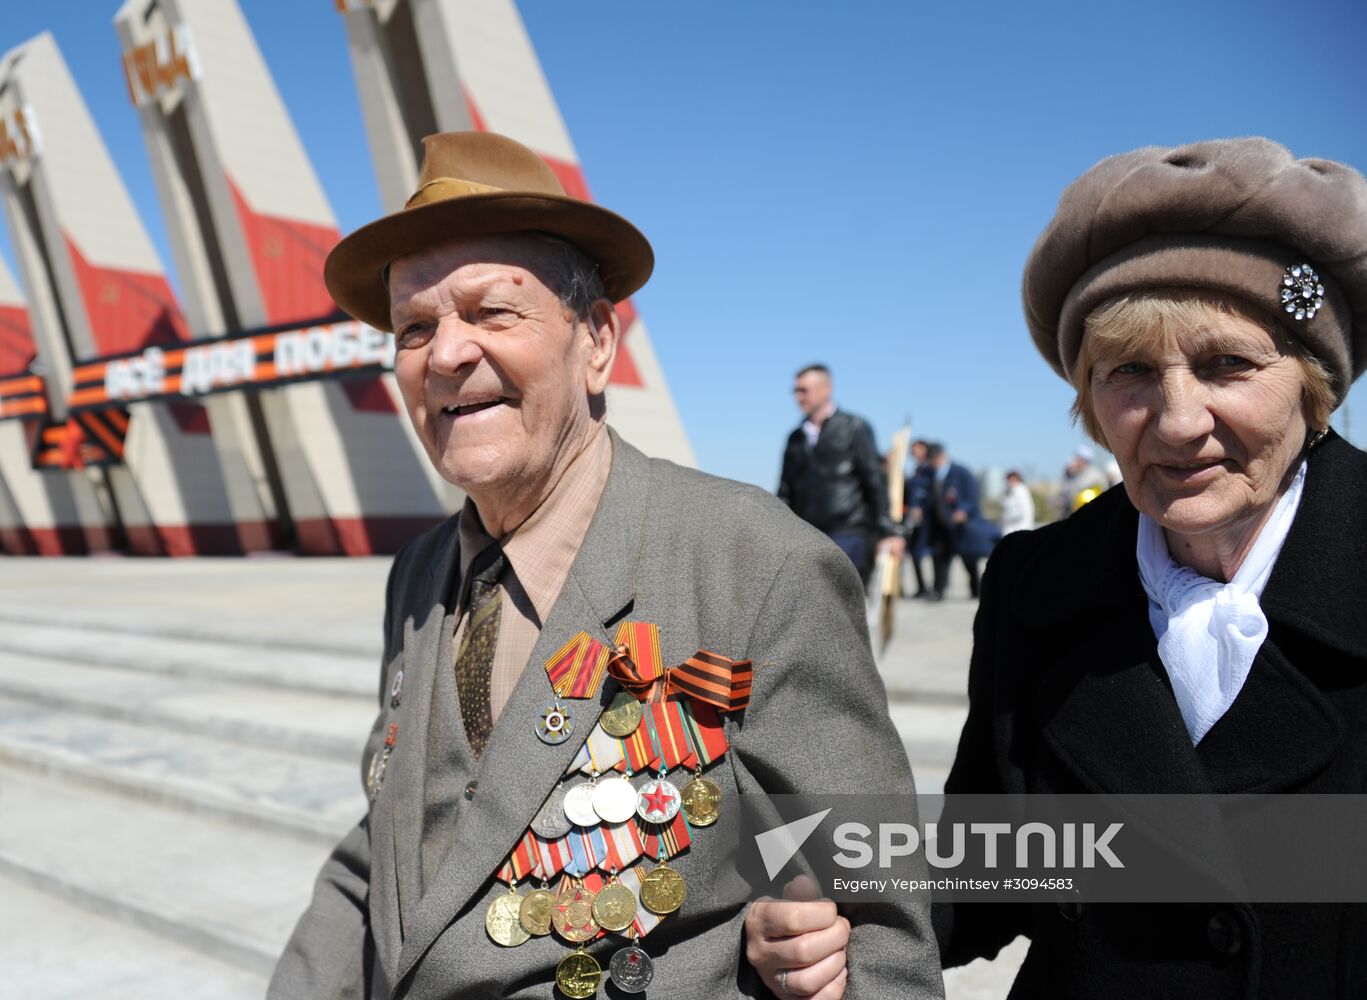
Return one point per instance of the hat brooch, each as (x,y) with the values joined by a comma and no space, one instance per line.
(1302,293)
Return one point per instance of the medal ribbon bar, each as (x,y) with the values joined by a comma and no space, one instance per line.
(576,670)
(703,728)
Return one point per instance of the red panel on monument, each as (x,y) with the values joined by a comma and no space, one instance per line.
(288,258)
(16,340)
(128,310)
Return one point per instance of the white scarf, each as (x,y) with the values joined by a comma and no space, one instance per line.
(1209,632)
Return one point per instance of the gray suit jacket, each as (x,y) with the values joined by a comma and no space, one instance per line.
(717,565)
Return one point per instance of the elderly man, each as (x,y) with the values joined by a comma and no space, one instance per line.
(585,592)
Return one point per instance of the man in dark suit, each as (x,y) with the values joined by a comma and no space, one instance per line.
(917,489)
(833,475)
(948,508)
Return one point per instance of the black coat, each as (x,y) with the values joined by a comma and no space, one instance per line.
(1067,694)
(839,484)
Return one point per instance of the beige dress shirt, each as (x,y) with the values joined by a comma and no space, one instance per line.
(539,554)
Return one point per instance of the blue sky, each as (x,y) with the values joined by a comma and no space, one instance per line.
(854,183)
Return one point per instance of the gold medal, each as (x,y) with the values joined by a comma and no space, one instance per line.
(701,801)
(614,907)
(572,914)
(578,974)
(622,717)
(535,912)
(500,920)
(663,889)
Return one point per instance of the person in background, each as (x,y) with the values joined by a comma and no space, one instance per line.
(1018,506)
(833,474)
(948,508)
(1079,476)
(917,488)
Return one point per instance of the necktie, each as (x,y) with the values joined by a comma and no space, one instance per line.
(475,659)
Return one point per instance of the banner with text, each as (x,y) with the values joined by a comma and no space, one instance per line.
(331,349)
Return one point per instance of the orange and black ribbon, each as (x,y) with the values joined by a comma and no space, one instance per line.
(704,676)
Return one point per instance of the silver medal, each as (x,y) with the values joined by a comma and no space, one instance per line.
(550,822)
(555,723)
(631,970)
(395,689)
(579,805)
(614,800)
(658,801)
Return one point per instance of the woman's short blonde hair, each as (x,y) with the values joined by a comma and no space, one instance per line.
(1125,323)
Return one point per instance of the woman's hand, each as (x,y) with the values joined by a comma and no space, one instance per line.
(797,944)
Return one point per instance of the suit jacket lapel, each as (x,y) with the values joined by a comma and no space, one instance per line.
(427,647)
(517,771)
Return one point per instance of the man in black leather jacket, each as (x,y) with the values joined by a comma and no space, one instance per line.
(833,474)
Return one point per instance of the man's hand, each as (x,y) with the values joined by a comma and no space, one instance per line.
(894,544)
(961,517)
(797,944)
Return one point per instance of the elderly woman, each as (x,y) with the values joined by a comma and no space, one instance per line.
(1202,628)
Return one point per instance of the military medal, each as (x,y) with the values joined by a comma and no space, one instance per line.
(534,913)
(701,800)
(572,914)
(658,801)
(395,688)
(501,920)
(645,921)
(577,975)
(663,889)
(579,805)
(622,717)
(614,907)
(631,969)
(663,719)
(614,799)
(555,723)
(380,762)
(550,821)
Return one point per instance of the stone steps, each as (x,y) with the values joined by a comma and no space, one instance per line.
(180,748)
(212,887)
(327,725)
(281,791)
(248,660)
(54,949)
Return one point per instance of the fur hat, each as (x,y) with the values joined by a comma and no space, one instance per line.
(1242,216)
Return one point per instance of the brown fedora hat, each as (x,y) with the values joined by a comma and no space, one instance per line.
(481,184)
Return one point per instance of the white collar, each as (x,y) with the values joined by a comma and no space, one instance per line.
(1209,632)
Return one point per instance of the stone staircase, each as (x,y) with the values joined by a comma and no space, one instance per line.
(170,783)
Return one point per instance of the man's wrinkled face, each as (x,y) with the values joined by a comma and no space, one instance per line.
(494,369)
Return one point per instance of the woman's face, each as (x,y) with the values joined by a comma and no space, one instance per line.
(1205,421)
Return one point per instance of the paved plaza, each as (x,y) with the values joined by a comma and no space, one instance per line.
(179,748)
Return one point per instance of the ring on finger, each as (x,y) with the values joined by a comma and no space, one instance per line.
(783,982)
